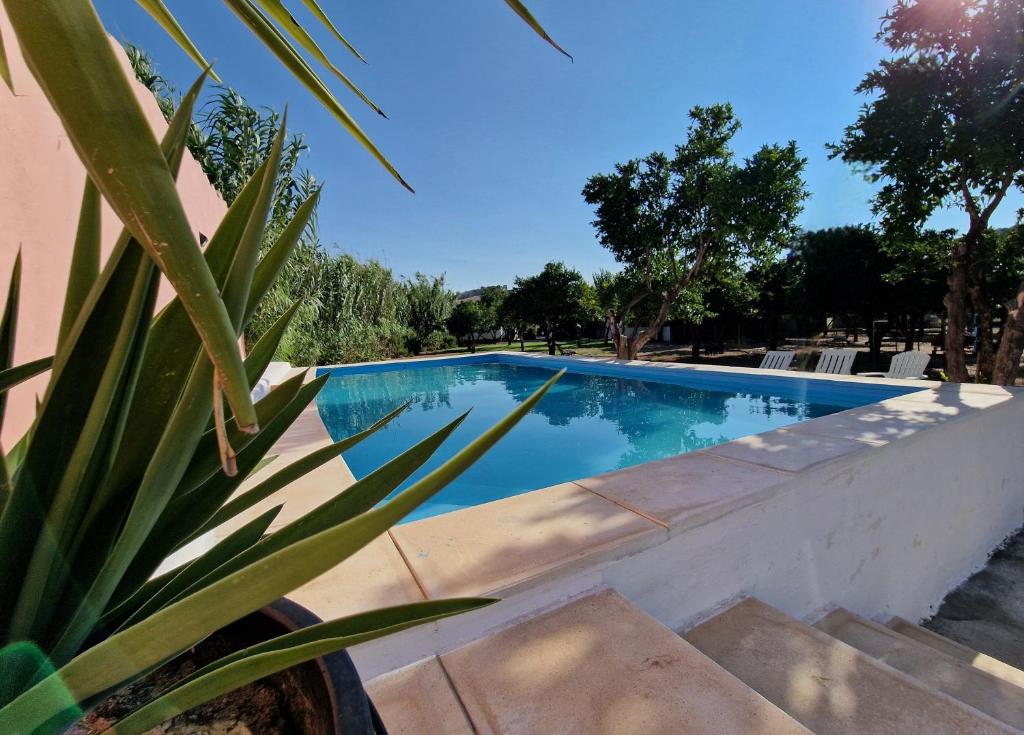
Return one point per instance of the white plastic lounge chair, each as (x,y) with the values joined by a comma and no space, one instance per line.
(777,360)
(836,361)
(909,365)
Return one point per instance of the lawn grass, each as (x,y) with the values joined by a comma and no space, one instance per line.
(589,347)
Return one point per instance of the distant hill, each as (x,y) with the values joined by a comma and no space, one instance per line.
(471,295)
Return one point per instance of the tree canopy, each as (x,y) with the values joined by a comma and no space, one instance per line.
(467,321)
(668,219)
(556,300)
(945,127)
(430,305)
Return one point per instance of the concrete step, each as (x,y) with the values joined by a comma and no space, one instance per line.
(981,690)
(958,651)
(601,666)
(827,685)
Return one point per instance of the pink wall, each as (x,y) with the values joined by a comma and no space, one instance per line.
(41,184)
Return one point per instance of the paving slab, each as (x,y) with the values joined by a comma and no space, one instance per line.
(966,396)
(306,431)
(490,547)
(686,490)
(418,700)
(784,449)
(826,684)
(601,666)
(375,576)
(885,422)
(981,690)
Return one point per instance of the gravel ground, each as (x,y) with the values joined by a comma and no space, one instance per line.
(986,612)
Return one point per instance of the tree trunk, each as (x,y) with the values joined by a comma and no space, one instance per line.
(874,342)
(962,286)
(772,329)
(642,336)
(551,343)
(910,333)
(1011,344)
(956,311)
(984,354)
(618,339)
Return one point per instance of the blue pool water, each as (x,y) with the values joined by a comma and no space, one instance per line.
(597,418)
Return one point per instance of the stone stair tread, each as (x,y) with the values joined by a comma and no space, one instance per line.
(958,679)
(958,651)
(601,666)
(418,699)
(826,684)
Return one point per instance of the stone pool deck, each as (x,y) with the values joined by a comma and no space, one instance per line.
(860,508)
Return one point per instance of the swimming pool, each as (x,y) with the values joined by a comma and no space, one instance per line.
(599,417)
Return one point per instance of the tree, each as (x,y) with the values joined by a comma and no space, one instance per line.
(514,316)
(467,321)
(430,305)
(774,281)
(554,300)
(843,274)
(492,300)
(667,219)
(506,315)
(946,128)
(918,268)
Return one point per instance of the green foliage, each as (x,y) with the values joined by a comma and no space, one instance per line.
(558,301)
(146,72)
(670,219)
(430,305)
(125,456)
(918,267)
(121,468)
(467,321)
(998,264)
(438,340)
(348,311)
(861,275)
(945,115)
(363,313)
(844,271)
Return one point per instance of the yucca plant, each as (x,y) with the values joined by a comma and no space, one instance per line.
(122,467)
(70,56)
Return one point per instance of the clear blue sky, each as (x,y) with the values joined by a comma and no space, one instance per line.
(498,132)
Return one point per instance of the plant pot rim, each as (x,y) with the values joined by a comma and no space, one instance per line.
(351,710)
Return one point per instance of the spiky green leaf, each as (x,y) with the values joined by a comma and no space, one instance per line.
(276,10)
(172,27)
(272,38)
